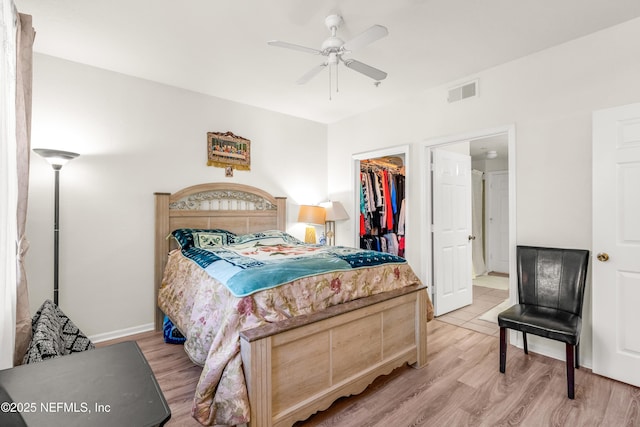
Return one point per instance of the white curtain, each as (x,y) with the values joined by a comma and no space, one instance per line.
(477,209)
(24,77)
(8,184)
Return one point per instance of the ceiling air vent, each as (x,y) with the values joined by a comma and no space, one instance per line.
(467,90)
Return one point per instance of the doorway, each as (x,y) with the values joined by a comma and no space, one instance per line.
(393,162)
(492,152)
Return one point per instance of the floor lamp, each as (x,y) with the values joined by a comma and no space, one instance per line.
(56,159)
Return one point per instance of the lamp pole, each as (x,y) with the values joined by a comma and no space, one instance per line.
(56,230)
(56,158)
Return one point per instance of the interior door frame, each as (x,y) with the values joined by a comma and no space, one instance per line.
(426,201)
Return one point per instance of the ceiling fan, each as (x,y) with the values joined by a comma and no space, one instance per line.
(334,48)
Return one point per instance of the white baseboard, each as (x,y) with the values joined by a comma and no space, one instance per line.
(122,333)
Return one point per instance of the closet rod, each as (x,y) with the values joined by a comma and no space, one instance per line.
(379,163)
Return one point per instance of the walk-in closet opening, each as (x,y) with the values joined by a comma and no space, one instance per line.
(381,187)
(382,204)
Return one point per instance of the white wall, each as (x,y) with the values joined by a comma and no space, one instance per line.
(135,138)
(549,97)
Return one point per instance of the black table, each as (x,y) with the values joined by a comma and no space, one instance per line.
(108,386)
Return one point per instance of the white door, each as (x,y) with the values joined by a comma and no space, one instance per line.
(616,235)
(497,190)
(451,231)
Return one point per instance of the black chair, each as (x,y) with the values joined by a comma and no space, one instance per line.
(550,292)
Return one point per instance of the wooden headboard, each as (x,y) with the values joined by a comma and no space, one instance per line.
(235,207)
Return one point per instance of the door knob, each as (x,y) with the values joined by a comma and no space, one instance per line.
(603,256)
(472,237)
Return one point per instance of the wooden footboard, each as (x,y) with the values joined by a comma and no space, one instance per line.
(297,367)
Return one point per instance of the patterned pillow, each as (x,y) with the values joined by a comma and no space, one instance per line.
(269,237)
(171,334)
(202,238)
(54,335)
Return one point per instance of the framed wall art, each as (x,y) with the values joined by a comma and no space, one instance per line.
(229,151)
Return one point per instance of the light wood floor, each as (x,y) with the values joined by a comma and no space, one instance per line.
(460,386)
(484,299)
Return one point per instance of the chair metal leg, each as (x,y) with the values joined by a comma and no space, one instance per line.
(524,338)
(577,350)
(570,371)
(503,349)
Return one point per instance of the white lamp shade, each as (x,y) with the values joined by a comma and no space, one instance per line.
(335,211)
(56,157)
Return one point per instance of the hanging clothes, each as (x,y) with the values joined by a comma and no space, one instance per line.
(382,198)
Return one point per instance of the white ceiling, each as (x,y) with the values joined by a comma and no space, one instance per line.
(499,143)
(220,48)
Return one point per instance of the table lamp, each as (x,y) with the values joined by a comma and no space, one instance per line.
(311,215)
(335,212)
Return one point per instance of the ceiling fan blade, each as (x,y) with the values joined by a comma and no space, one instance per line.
(311,73)
(365,69)
(369,36)
(278,43)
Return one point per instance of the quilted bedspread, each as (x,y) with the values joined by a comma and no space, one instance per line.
(211,317)
(267,262)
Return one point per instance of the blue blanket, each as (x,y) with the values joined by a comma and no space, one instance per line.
(259,264)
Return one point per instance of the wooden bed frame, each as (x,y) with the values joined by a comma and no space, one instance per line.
(299,366)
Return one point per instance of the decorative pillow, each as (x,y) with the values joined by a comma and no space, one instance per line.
(202,238)
(269,237)
(171,334)
(54,335)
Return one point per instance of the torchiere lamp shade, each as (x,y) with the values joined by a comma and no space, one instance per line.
(56,158)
